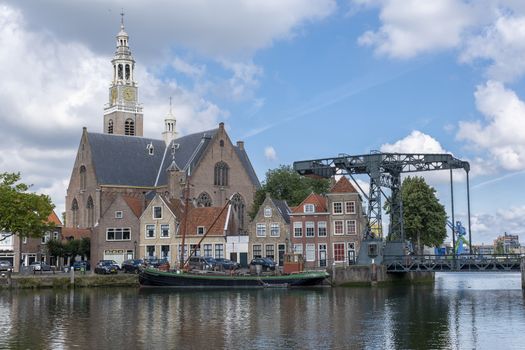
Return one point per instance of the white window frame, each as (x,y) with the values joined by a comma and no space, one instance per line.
(342,226)
(260,250)
(309,208)
(162,231)
(154,251)
(209,245)
(275,229)
(298,248)
(266,250)
(168,257)
(310,252)
(348,232)
(115,229)
(153,213)
(309,225)
(298,225)
(322,224)
(333,208)
(199,229)
(119,214)
(346,207)
(146,231)
(267,212)
(344,251)
(218,250)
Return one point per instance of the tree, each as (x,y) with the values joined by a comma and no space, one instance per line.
(424,217)
(286,184)
(21,212)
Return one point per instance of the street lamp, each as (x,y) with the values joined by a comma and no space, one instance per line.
(135,250)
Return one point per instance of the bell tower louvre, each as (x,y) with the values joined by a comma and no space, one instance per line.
(123,114)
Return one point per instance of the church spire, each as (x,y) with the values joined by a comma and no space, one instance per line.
(123,114)
(169,133)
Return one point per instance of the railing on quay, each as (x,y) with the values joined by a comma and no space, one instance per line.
(457,263)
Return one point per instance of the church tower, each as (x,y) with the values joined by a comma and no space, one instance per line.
(169,133)
(123,114)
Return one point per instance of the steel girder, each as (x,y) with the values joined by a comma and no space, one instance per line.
(384,170)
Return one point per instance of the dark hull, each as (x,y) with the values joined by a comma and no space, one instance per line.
(150,277)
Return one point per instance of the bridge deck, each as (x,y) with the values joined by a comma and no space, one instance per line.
(458,263)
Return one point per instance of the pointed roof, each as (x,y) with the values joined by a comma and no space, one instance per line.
(343,186)
(75,233)
(53,218)
(135,204)
(316,199)
(283,209)
(205,216)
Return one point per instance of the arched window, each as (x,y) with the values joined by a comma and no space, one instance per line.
(82,177)
(74,212)
(90,212)
(127,71)
(129,127)
(110,126)
(204,200)
(221,174)
(120,71)
(239,208)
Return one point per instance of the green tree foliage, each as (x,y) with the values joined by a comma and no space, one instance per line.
(21,212)
(286,184)
(424,217)
(56,248)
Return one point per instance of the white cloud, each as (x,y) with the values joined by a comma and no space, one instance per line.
(191,70)
(244,79)
(487,226)
(416,142)
(501,135)
(270,154)
(411,27)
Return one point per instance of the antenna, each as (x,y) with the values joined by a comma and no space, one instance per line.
(122,18)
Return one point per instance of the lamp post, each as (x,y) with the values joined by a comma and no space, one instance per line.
(135,250)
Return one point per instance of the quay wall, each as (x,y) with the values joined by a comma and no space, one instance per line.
(65,281)
(372,275)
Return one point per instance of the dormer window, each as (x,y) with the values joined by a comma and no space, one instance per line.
(151,149)
(309,208)
(201,230)
(157,212)
(267,212)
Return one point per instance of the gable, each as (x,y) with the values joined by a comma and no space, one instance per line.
(317,200)
(343,186)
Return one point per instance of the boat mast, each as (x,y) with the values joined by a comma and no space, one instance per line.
(186,211)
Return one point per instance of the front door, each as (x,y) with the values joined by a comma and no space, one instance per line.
(244,259)
(282,250)
(233,257)
(351,253)
(322,255)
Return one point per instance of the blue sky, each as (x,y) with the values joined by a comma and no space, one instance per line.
(295,80)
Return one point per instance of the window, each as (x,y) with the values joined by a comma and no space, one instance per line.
(157,212)
(310,229)
(185,252)
(90,212)
(257,251)
(207,250)
(55,235)
(82,177)
(321,228)
(338,227)
(204,200)
(74,212)
(337,207)
(219,250)
(150,148)
(275,230)
(46,237)
(310,252)
(118,234)
(270,251)
(129,127)
(110,126)
(339,252)
(267,212)
(201,230)
(24,240)
(164,231)
(150,251)
(221,174)
(238,207)
(165,252)
(118,215)
(150,231)
(196,249)
(309,208)
(261,230)
(350,227)
(298,248)
(350,207)
(297,229)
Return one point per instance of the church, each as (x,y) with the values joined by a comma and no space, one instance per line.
(117,171)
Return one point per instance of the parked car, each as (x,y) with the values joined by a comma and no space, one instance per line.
(227,264)
(41,266)
(5,265)
(78,265)
(202,263)
(154,262)
(132,265)
(106,267)
(111,262)
(265,263)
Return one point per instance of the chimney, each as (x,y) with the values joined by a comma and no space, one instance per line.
(240,144)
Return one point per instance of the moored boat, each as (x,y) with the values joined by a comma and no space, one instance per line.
(154,277)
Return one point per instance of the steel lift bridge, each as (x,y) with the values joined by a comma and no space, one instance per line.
(384,170)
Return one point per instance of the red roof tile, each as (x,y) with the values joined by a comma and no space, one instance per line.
(53,218)
(135,204)
(316,199)
(75,233)
(205,217)
(343,186)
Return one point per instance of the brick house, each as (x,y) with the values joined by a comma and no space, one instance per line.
(34,249)
(310,223)
(270,230)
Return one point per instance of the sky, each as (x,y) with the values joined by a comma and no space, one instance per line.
(295,80)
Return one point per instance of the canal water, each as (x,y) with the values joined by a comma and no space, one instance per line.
(460,311)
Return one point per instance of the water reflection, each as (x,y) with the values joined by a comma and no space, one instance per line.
(454,313)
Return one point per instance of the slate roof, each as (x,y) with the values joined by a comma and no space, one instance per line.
(283,208)
(125,160)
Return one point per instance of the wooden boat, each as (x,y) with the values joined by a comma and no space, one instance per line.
(154,277)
